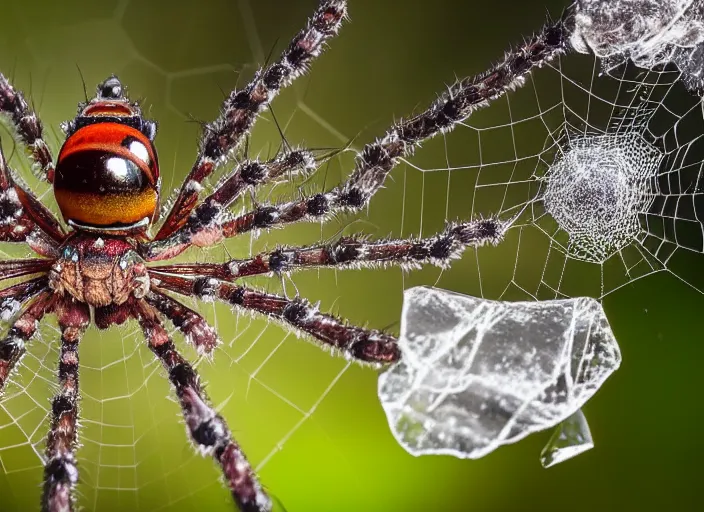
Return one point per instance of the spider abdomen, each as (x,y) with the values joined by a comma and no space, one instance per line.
(107,177)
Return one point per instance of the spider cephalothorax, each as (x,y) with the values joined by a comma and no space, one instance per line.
(100,272)
(106,182)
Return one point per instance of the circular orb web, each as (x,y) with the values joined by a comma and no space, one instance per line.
(595,190)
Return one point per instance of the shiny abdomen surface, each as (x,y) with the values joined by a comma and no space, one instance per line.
(107,175)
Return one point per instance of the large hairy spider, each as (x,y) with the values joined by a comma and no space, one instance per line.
(106,182)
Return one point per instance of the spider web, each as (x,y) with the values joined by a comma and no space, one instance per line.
(301,415)
(585,226)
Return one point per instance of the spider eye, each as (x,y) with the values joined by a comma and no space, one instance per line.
(110,89)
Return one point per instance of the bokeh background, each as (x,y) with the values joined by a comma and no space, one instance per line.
(314,426)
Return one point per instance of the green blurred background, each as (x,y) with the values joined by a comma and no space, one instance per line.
(324,444)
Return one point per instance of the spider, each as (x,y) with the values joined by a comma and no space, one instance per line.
(101,262)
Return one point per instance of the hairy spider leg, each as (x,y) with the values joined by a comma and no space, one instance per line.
(353,252)
(16,268)
(13,297)
(347,252)
(60,469)
(241,109)
(191,324)
(23,218)
(377,159)
(246,175)
(358,343)
(12,347)
(253,173)
(208,430)
(28,126)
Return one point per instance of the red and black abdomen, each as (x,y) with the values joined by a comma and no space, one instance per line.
(107,175)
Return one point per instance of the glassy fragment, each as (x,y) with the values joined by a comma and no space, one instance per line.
(571,438)
(476,374)
(649,32)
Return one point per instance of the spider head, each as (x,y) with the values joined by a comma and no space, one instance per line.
(107,173)
(111,103)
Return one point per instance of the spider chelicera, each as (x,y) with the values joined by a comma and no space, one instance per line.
(106,183)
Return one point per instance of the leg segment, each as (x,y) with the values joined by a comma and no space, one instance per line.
(241,109)
(28,126)
(12,298)
(60,471)
(16,268)
(207,428)
(363,345)
(40,214)
(12,347)
(253,173)
(378,158)
(15,225)
(214,208)
(191,324)
(353,252)
(24,218)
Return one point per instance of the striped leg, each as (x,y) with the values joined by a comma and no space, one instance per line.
(60,471)
(193,326)
(208,430)
(12,347)
(28,126)
(247,175)
(377,159)
(23,218)
(353,252)
(241,108)
(358,343)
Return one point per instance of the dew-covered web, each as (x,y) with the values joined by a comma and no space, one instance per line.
(603,169)
(549,152)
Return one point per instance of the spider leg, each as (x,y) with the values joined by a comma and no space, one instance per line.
(252,173)
(193,326)
(60,471)
(377,159)
(12,347)
(363,345)
(353,252)
(15,225)
(16,268)
(40,214)
(248,174)
(12,298)
(241,108)
(207,428)
(23,218)
(28,126)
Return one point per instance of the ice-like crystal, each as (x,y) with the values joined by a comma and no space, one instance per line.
(571,438)
(649,32)
(476,374)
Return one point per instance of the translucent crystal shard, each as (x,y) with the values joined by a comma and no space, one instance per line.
(649,32)
(476,374)
(571,438)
